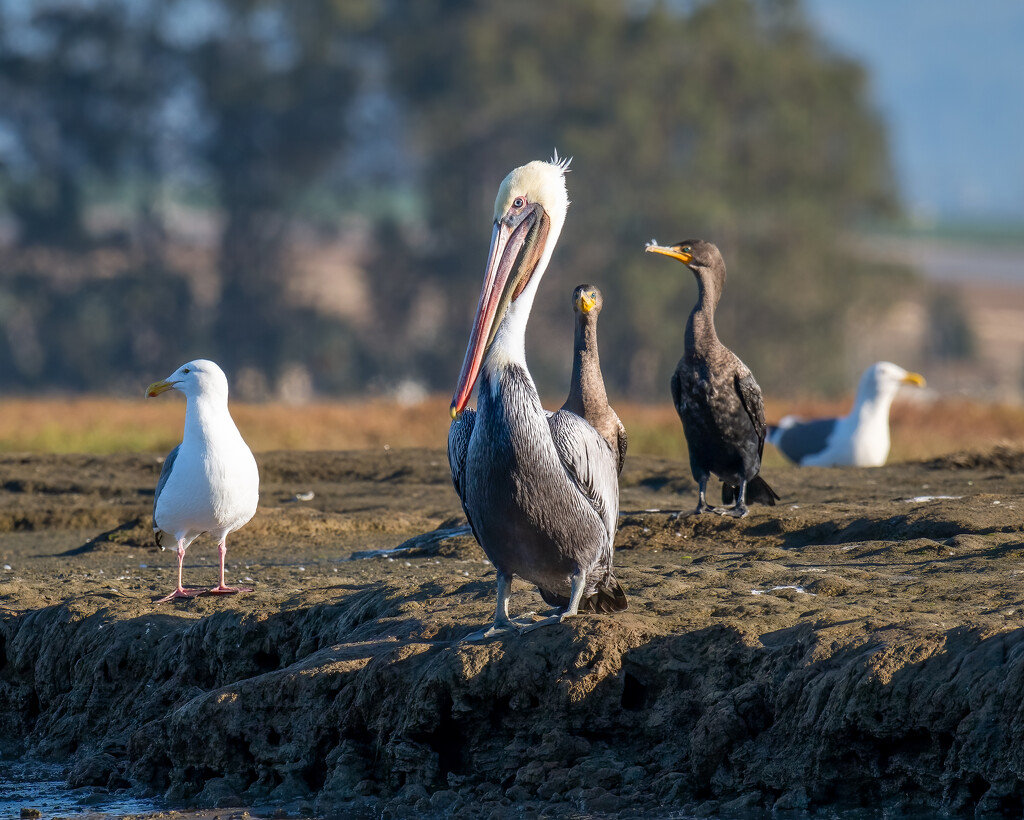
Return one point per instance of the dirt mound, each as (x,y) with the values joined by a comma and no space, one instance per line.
(1004,457)
(857,645)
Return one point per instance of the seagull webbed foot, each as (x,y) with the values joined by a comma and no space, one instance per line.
(180,592)
(224,590)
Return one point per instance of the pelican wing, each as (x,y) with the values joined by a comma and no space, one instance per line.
(459,434)
(590,463)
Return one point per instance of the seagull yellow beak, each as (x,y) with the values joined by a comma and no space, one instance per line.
(156,388)
(915,379)
(682,256)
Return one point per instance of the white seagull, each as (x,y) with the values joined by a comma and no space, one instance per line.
(860,439)
(209,482)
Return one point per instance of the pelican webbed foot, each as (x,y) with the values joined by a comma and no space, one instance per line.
(735,512)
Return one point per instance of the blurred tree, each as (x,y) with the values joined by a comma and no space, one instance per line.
(78,83)
(724,119)
(729,121)
(275,81)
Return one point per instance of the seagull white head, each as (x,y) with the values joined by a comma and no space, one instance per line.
(884,379)
(199,377)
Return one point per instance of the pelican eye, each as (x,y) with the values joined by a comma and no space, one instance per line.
(518,202)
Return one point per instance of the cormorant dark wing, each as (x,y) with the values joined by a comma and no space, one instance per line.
(623,442)
(753,403)
(677,390)
(459,433)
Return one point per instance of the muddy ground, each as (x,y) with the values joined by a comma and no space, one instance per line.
(858,645)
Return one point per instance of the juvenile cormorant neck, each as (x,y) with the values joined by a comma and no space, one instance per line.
(586,389)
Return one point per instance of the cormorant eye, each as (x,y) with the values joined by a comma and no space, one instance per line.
(687,249)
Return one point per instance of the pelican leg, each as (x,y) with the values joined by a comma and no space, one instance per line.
(221,588)
(579,584)
(739,509)
(502,623)
(180,591)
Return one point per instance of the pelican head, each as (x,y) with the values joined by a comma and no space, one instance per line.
(529,212)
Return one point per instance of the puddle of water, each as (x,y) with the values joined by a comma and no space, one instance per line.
(40,786)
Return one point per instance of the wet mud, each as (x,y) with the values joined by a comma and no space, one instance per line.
(860,645)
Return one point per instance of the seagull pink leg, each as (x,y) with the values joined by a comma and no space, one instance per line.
(222,548)
(180,592)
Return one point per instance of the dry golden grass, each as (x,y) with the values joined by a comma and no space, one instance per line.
(102,425)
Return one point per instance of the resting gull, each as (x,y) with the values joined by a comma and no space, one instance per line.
(860,439)
(209,482)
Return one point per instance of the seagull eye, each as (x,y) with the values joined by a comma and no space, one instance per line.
(518,202)
(184,370)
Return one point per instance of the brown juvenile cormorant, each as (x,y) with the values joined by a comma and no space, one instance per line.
(587,396)
(715,394)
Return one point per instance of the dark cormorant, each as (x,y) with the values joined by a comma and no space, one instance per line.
(715,394)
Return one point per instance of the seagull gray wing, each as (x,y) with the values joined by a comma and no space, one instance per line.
(804,438)
(459,433)
(590,463)
(165,473)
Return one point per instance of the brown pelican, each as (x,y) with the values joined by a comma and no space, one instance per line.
(860,439)
(587,396)
(540,490)
(715,394)
(209,482)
